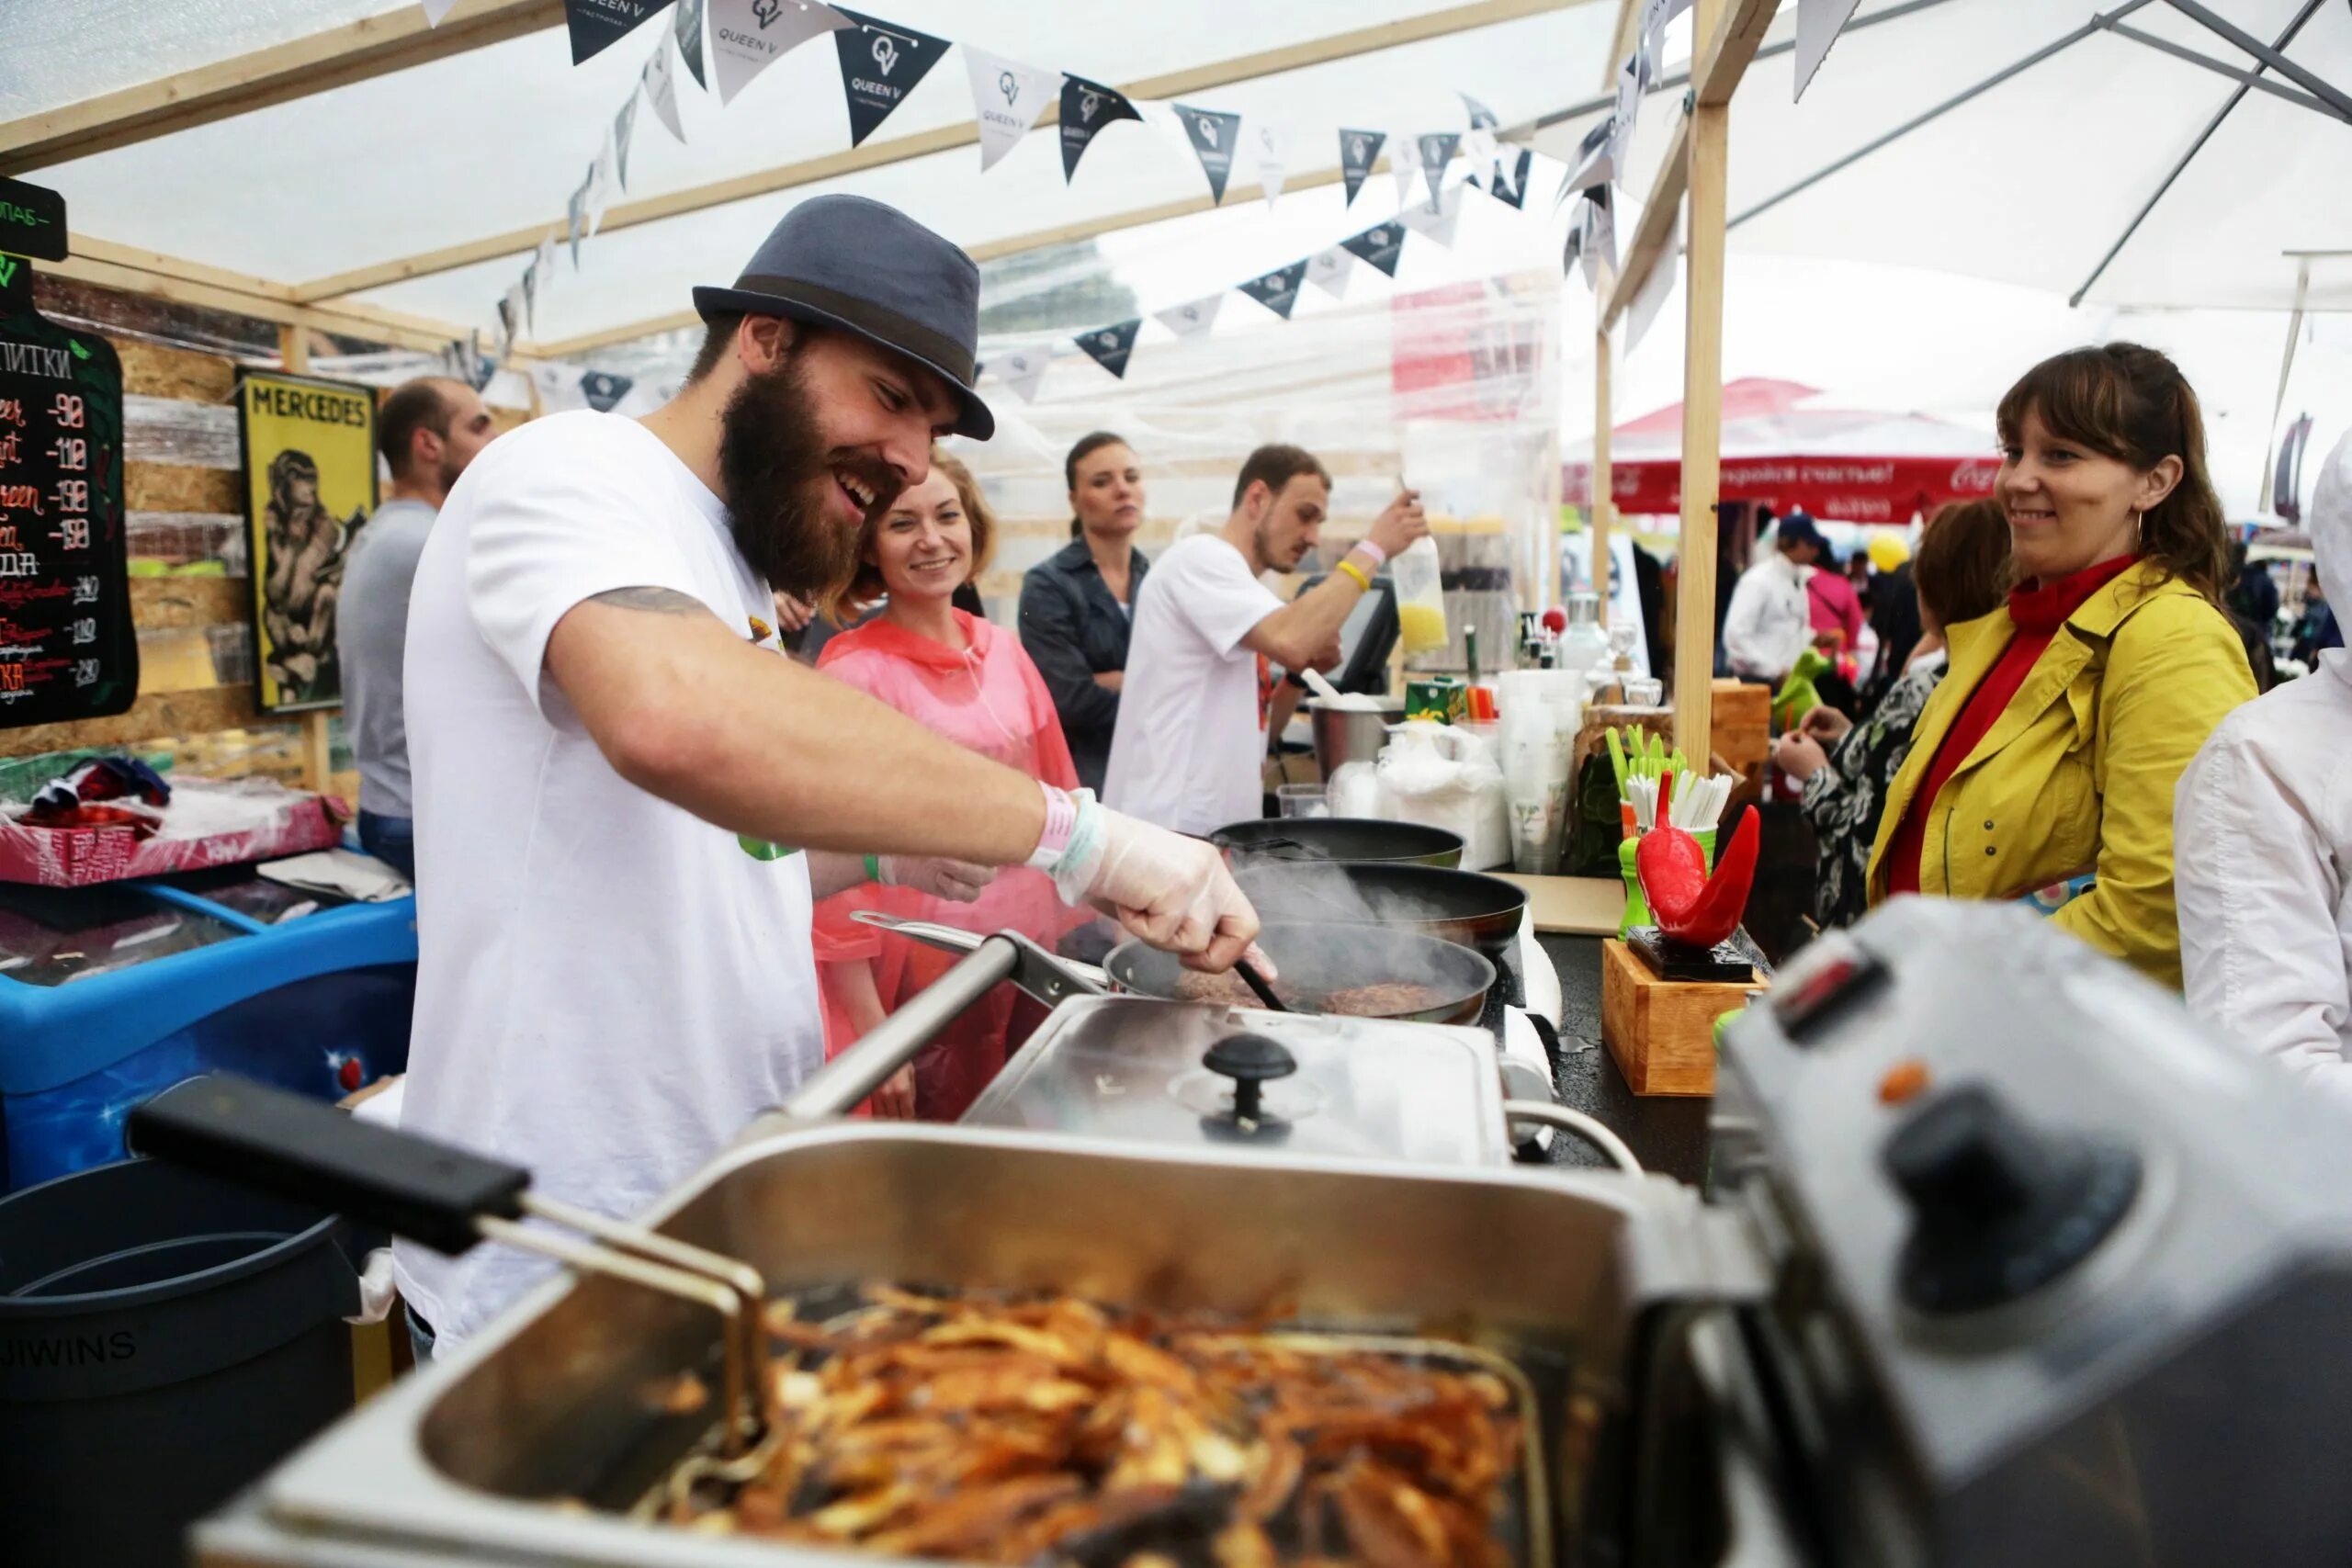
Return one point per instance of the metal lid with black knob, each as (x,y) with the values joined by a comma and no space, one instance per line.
(1193,1073)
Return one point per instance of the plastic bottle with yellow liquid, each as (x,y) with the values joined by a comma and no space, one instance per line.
(1421,597)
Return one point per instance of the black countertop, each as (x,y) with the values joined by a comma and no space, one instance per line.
(1666,1133)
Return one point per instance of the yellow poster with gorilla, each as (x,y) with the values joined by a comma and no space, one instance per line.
(310,487)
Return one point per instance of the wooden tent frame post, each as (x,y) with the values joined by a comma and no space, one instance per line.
(1726,34)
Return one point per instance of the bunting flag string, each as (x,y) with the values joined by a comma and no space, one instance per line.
(1327,269)
(1359,149)
(749,36)
(725,44)
(1007,99)
(1270,161)
(881,63)
(1212,137)
(595,25)
(658,82)
(1378,246)
(688,31)
(1277,290)
(1087,108)
(1192,318)
(1436,151)
(1109,346)
(434,11)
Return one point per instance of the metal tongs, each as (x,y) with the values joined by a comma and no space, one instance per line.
(449,1199)
(1047,976)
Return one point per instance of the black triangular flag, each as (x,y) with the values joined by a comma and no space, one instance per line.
(1087,108)
(1377,246)
(1109,346)
(1277,290)
(1211,134)
(690,39)
(1511,188)
(881,62)
(1437,151)
(1359,149)
(604,390)
(596,25)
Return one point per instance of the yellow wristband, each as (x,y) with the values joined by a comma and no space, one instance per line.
(1363,577)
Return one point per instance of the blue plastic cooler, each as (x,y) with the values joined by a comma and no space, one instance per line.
(112,993)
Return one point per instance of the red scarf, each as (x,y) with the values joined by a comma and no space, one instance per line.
(2037,612)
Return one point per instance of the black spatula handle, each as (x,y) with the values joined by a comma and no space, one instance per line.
(305,1149)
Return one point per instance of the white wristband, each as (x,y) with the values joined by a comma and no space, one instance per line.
(1379,557)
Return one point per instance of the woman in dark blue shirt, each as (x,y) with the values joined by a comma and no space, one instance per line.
(1075,604)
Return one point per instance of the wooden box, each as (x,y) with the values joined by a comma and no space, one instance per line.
(1662,1032)
(1743,734)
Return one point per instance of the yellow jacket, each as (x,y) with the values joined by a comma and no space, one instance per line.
(2078,773)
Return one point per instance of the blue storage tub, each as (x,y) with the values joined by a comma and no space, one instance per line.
(112,993)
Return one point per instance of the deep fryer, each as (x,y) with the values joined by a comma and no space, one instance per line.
(2030,1273)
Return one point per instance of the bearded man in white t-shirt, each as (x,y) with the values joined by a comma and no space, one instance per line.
(1190,740)
(627,797)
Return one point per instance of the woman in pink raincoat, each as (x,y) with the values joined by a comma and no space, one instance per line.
(971,682)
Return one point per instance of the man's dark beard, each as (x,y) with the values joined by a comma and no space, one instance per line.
(780,487)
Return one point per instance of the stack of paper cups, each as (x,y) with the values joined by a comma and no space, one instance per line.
(1534,747)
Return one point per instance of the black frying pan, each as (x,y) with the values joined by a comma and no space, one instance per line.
(1464,906)
(1351,841)
(1313,963)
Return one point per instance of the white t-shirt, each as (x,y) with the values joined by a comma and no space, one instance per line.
(1191,741)
(607,989)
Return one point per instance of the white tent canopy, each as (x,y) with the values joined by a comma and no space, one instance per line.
(336,187)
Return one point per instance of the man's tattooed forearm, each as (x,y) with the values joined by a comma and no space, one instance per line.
(657,601)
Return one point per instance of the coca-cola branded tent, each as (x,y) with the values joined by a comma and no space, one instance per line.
(1780,448)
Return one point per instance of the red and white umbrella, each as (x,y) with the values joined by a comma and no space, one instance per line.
(1781,449)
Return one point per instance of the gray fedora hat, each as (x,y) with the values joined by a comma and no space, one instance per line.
(846,262)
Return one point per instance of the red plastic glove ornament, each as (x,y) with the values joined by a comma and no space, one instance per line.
(1691,906)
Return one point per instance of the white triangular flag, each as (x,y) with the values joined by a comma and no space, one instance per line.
(1656,287)
(1007,99)
(600,184)
(1193,317)
(1405,162)
(1629,109)
(1593,166)
(511,312)
(1328,270)
(1268,143)
(1818,22)
(436,9)
(659,81)
(544,259)
(558,387)
(1023,368)
(1436,220)
(749,36)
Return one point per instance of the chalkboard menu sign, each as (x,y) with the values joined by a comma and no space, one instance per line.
(67,646)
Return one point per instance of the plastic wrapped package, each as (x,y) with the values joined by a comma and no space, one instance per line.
(1445,777)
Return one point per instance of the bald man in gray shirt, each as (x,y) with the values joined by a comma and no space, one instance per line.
(428,431)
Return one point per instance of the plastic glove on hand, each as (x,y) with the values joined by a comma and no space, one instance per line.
(959,881)
(1170,891)
(1691,906)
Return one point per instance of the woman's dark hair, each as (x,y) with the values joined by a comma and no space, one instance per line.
(2133,405)
(1963,559)
(1087,446)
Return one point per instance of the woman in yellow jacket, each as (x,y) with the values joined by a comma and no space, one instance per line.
(2048,756)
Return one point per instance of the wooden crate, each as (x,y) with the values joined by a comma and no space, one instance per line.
(1661,1033)
(1742,733)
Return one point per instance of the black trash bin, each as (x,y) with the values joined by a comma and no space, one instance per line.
(164,1339)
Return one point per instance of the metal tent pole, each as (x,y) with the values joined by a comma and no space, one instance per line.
(2310,8)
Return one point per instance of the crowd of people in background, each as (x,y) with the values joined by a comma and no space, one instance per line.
(2051,701)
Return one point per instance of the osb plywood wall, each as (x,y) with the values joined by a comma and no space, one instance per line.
(190,593)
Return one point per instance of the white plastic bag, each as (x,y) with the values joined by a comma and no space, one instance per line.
(1445,777)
